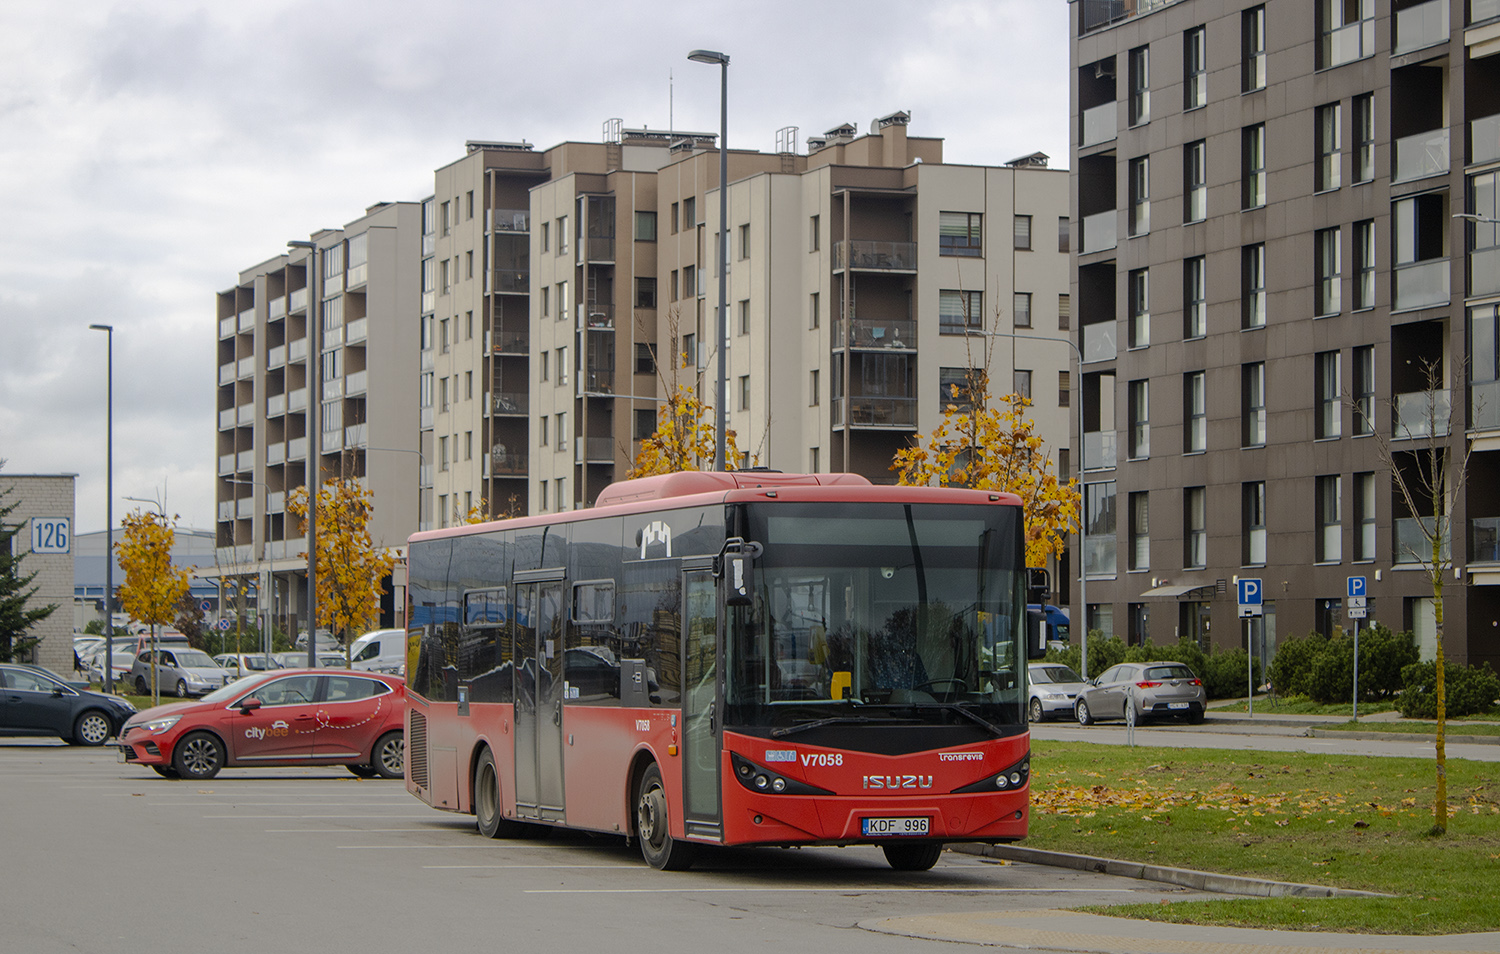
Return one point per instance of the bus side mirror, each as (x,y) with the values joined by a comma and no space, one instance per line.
(1036,636)
(739,579)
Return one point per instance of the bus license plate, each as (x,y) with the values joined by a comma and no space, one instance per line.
(880,827)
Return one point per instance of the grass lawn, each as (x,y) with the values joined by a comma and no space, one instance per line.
(1346,821)
(1301,705)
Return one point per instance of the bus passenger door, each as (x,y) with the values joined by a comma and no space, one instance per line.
(539,691)
(700,708)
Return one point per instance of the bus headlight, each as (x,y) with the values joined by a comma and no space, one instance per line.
(1011,777)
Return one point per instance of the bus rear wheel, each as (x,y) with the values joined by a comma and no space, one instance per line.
(487,810)
(912,857)
(652,826)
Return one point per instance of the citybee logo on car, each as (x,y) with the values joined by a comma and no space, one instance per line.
(278,729)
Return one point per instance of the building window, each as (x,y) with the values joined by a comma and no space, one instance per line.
(542,364)
(1364,516)
(1419,241)
(442,510)
(560,433)
(541,430)
(1140,195)
(690,356)
(814,316)
(1328,395)
(562,235)
(673,217)
(1364,264)
(1194,413)
(446,281)
(813,464)
(645,292)
(443,452)
(1140,419)
(1347,31)
(1064,312)
(1195,527)
(954,387)
(1138,292)
(814,392)
(744,392)
(1099,512)
(1022,381)
(1064,234)
(559,493)
(1363,422)
(1021,233)
(744,241)
(443,336)
(1253,394)
(468,445)
(1194,298)
(814,235)
(645,423)
(447,218)
(564,304)
(1364,137)
(959,311)
(689,281)
(1329,522)
(1194,68)
(1253,161)
(541,497)
(468,385)
(959,233)
(689,212)
(1064,388)
(468,326)
(545,301)
(1140,85)
(562,365)
(1022,309)
(1253,43)
(1195,181)
(1330,266)
(645,359)
(1140,531)
(546,235)
(1330,146)
(1253,527)
(1253,286)
(645,226)
(744,315)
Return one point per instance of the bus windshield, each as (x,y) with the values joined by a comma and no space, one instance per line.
(880,612)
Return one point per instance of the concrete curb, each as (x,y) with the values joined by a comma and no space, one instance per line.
(1182,877)
(1402,736)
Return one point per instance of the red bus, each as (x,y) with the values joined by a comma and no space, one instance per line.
(742,658)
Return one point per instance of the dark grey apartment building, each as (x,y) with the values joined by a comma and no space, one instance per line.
(1286,259)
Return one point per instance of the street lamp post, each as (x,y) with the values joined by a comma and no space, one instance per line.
(314,442)
(1081,624)
(709,56)
(109,515)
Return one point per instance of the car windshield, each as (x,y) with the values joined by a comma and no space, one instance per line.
(1169,672)
(194,659)
(1054,674)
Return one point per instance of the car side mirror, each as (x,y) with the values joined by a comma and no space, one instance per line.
(57,692)
(249,705)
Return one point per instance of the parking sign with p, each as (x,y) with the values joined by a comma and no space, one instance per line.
(1250,598)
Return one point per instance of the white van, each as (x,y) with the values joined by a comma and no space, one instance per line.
(383,650)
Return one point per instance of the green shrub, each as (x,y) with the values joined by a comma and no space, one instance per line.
(1323,669)
(1103,653)
(1331,676)
(1382,656)
(1467,690)
(1291,667)
(1223,673)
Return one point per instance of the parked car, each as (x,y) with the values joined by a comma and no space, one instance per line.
(1053,689)
(383,650)
(244,664)
(1153,689)
(182,670)
(288,717)
(121,660)
(37,701)
(297,659)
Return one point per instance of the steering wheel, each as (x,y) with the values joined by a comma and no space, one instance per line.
(954,684)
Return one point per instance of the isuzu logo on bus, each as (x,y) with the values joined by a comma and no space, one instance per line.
(897,781)
(656,531)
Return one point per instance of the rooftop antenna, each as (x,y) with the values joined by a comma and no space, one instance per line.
(670,127)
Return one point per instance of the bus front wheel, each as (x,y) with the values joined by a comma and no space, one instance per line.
(492,823)
(912,857)
(652,826)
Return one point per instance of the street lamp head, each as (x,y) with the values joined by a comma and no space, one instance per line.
(709,56)
(102,327)
(300,243)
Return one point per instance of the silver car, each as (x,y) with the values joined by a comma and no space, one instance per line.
(1053,689)
(185,671)
(1152,689)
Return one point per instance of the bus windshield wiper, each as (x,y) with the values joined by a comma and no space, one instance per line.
(961,710)
(831,720)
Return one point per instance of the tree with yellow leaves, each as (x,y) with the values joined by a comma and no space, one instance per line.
(153,586)
(350,566)
(996,448)
(684,438)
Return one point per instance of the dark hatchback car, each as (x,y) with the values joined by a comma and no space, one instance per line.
(35,701)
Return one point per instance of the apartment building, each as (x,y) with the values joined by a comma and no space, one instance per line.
(1272,254)
(340,329)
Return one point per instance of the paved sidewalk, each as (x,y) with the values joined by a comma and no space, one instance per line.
(1318,726)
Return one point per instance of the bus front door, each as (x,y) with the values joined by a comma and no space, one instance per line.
(539,700)
(700,708)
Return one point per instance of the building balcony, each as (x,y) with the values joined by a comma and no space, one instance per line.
(599,381)
(276,308)
(357,382)
(1484,406)
(424,475)
(356,435)
(244,415)
(357,330)
(1484,138)
(244,460)
(1420,285)
(1099,450)
(227,327)
(506,342)
(276,502)
(1099,124)
(1420,414)
(227,373)
(226,419)
(1421,155)
(245,507)
(425,422)
(297,350)
(245,367)
(247,320)
(598,316)
(1484,272)
(333,389)
(1412,538)
(600,249)
(1484,540)
(881,413)
(503,462)
(1098,14)
(226,510)
(333,441)
(870,256)
(1421,26)
(507,220)
(276,405)
(276,358)
(1100,232)
(1098,342)
(357,275)
(296,400)
(878,334)
(1350,42)
(507,281)
(226,464)
(296,449)
(594,450)
(275,453)
(297,300)
(332,337)
(429,302)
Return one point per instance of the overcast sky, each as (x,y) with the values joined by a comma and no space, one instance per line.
(150,151)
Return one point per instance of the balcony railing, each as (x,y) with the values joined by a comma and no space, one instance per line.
(505,463)
(877,411)
(226,373)
(426,418)
(276,502)
(1484,539)
(594,450)
(276,308)
(1482,10)
(1484,272)
(244,460)
(246,367)
(1098,14)
(226,418)
(275,453)
(227,327)
(357,382)
(507,280)
(1099,554)
(245,507)
(244,414)
(424,475)
(506,342)
(1100,232)
(1098,450)
(332,441)
(276,405)
(880,334)
(247,320)
(226,463)
(297,350)
(1421,26)
(597,316)
(296,449)
(1484,405)
(226,510)
(1099,342)
(357,275)
(357,330)
(599,381)
(297,300)
(276,358)
(1420,285)
(1413,541)
(507,220)
(1421,414)
(1099,124)
(1350,42)
(356,435)
(1419,156)
(296,400)
(508,403)
(601,248)
(866,255)
(1484,138)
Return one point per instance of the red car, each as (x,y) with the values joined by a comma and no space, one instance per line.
(286,717)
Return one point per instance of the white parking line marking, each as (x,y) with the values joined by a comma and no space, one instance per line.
(560,867)
(844,889)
